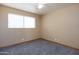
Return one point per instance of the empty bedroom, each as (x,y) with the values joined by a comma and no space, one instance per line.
(39,29)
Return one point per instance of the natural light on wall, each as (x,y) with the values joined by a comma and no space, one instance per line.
(18,21)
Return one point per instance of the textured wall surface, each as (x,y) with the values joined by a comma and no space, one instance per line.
(10,36)
(62,26)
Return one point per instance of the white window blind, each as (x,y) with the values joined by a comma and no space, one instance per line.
(18,21)
(29,22)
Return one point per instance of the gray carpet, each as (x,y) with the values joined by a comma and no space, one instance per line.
(38,47)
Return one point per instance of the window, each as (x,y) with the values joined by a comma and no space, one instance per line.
(15,21)
(29,22)
(18,21)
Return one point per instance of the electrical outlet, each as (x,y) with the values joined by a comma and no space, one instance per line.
(22,38)
(55,39)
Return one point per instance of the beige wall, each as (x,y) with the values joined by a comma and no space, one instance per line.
(12,36)
(62,26)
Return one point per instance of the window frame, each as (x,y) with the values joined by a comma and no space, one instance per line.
(23,26)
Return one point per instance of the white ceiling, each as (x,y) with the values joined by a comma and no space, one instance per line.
(32,7)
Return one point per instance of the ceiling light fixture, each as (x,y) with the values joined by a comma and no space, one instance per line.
(40,6)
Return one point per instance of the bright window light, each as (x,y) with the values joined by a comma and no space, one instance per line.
(18,21)
(29,22)
(15,21)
